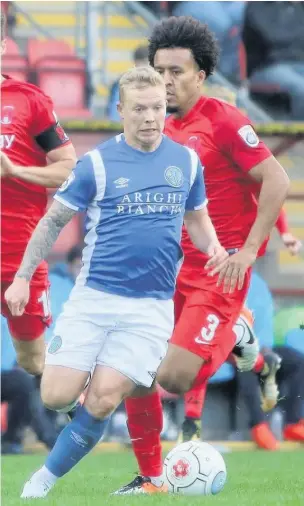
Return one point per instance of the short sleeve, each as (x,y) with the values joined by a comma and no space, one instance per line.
(79,190)
(45,127)
(239,141)
(197,195)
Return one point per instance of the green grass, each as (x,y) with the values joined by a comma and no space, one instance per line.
(254,479)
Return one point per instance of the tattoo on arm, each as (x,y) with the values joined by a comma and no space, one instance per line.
(43,238)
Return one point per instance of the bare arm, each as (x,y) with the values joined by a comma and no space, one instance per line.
(43,238)
(274,189)
(201,229)
(61,162)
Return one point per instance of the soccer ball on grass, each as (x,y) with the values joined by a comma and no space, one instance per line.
(195,468)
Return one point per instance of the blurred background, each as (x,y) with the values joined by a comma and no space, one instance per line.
(76,52)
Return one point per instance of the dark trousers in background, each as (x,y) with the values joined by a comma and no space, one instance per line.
(18,388)
(290,379)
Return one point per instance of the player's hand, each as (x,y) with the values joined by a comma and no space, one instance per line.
(217,255)
(7,167)
(17,296)
(233,270)
(292,243)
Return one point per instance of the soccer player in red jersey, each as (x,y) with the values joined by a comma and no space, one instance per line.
(208,301)
(36,154)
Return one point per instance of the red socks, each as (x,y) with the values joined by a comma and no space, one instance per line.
(194,401)
(145,423)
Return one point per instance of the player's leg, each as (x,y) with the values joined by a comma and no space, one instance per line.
(291,375)
(247,357)
(70,356)
(176,356)
(107,389)
(202,340)
(249,389)
(144,408)
(27,331)
(194,403)
(30,354)
(145,423)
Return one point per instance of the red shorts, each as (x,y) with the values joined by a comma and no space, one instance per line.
(204,320)
(37,315)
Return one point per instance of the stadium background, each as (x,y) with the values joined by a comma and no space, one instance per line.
(76,50)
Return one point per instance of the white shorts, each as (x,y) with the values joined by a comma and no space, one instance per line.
(127,334)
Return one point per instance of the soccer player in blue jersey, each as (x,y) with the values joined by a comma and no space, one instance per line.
(137,189)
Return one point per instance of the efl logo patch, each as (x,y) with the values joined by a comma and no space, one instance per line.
(249,136)
(67,183)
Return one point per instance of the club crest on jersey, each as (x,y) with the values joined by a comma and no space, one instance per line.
(174,176)
(55,344)
(67,182)
(7,114)
(249,136)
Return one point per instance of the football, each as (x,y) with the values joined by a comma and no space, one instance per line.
(195,468)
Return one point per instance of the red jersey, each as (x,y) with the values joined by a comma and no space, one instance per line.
(29,130)
(228,148)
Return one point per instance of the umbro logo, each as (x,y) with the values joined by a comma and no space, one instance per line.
(122,182)
(78,439)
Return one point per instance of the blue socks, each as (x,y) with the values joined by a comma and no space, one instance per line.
(75,441)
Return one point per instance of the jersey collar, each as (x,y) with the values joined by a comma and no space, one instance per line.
(190,114)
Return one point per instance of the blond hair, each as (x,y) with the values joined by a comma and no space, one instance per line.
(139,77)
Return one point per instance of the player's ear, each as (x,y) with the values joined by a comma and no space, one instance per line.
(201,78)
(120,109)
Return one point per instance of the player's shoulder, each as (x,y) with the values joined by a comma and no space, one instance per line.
(30,90)
(182,153)
(223,112)
(109,146)
(177,147)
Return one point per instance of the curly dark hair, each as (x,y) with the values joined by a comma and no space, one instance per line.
(188,33)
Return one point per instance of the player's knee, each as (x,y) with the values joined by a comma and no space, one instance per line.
(31,363)
(175,382)
(55,398)
(102,403)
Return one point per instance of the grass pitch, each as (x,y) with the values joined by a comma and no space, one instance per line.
(255,478)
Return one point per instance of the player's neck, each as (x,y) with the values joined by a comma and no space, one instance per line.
(183,111)
(139,146)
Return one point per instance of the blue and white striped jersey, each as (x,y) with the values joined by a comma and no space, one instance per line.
(135,203)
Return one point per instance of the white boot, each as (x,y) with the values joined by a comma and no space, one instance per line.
(39,484)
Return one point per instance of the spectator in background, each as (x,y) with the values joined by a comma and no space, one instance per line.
(8,9)
(290,376)
(273,36)
(19,390)
(62,278)
(225,19)
(140,58)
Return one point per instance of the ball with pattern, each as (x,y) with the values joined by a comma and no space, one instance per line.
(195,468)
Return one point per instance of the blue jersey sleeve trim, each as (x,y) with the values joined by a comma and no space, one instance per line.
(99,173)
(66,203)
(201,206)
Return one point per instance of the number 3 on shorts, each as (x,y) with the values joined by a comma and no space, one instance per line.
(45,301)
(208,332)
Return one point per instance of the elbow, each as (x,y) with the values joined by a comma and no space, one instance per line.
(67,165)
